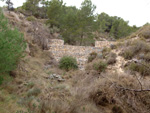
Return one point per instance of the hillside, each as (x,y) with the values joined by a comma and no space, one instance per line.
(115,79)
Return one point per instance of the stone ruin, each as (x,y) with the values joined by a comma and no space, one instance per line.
(81,53)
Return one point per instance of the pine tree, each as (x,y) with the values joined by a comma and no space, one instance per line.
(12,46)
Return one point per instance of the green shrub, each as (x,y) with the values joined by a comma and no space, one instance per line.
(31,18)
(67,63)
(92,56)
(142,69)
(12,46)
(100,66)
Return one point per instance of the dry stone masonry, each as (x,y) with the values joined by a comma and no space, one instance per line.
(103,44)
(81,53)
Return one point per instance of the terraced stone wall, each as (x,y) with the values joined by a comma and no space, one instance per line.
(81,53)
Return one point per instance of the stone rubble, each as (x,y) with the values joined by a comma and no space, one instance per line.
(56,77)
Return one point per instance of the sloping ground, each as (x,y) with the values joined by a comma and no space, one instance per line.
(118,66)
(31,69)
(35,31)
(34,89)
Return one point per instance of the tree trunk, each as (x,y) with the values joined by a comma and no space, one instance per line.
(81,40)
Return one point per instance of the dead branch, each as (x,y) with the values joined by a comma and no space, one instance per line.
(127,89)
(135,90)
(139,82)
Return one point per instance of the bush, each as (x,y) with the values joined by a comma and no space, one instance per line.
(111,58)
(142,69)
(128,54)
(12,46)
(106,51)
(92,56)
(100,66)
(112,46)
(145,57)
(67,63)
(140,46)
(145,32)
(31,18)
(135,48)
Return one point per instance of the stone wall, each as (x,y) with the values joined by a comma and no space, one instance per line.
(102,43)
(81,53)
(56,42)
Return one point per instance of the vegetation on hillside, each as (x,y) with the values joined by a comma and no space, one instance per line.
(12,46)
(77,25)
(115,80)
(68,63)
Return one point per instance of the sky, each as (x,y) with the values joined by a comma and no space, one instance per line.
(137,12)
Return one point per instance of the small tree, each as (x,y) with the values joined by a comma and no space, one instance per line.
(55,13)
(10,5)
(12,46)
(31,5)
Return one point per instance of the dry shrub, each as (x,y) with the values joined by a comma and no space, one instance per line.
(33,92)
(117,109)
(140,46)
(35,28)
(89,66)
(128,54)
(100,98)
(113,46)
(106,51)
(145,32)
(92,56)
(135,48)
(100,66)
(59,100)
(142,68)
(145,57)
(109,90)
(111,58)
